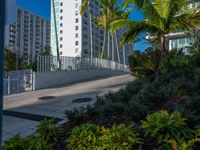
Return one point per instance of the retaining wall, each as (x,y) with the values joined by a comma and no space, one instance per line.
(58,78)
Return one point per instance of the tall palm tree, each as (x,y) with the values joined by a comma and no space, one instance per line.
(110,11)
(161,17)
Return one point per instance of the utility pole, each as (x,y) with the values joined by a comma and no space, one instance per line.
(2,25)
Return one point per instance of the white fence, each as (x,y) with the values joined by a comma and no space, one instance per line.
(18,81)
(51,63)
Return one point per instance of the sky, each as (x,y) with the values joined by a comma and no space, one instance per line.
(42,8)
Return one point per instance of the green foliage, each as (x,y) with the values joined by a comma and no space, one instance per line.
(77,115)
(10,60)
(29,143)
(160,18)
(164,126)
(119,137)
(89,136)
(84,137)
(46,51)
(49,130)
(151,62)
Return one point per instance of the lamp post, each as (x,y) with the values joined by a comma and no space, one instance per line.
(2,22)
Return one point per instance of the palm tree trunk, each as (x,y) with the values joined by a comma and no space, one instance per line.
(124,59)
(117,46)
(108,45)
(91,38)
(113,48)
(163,43)
(104,41)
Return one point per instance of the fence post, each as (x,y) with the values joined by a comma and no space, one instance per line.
(33,81)
(8,82)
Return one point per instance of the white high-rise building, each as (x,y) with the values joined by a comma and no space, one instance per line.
(26,33)
(74,31)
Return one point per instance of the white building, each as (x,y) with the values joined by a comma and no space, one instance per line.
(25,33)
(74,31)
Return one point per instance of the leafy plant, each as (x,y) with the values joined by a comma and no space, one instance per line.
(119,137)
(49,130)
(163,126)
(84,137)
(89,136)
(151,62)
(29,143)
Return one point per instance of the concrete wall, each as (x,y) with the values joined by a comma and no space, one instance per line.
(51,79)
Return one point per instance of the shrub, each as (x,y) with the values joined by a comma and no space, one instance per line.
(119,137)
(84,137)
(89,136)
(136,110)
(29,143)
(49,130)
(151,62)
(163,126)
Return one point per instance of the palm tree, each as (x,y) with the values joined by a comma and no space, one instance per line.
(109,12)
(161,18)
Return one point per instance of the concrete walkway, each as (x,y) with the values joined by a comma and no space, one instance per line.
(56,107)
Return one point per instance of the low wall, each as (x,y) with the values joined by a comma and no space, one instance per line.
(51,79)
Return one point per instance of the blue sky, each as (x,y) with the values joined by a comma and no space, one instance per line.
(42,8)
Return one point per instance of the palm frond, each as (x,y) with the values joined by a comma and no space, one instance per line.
(84,6)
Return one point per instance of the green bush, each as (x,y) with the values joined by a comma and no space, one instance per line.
(119,138)
(84,137)
(136,110)
(153,62)
(163,126)
(49,130)
(29,143)
(89,136)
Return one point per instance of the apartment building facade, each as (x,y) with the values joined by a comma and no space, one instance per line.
(79,36)
(26,33)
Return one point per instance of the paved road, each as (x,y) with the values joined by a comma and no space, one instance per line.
(56,107)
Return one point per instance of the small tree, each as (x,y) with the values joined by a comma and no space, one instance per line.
(46,51)
(10,60)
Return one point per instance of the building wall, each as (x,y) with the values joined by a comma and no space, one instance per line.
(74,30)
(26,33)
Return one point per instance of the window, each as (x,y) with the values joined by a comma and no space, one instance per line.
(76,43)
(61,53)
(76,35)
(61,4)
(76,27)
(76,5)
(61,46)
(61,38)
(76,20)
(76,13)
(76,50)
(61,32)
(61,17)
(61,11)
(61,24)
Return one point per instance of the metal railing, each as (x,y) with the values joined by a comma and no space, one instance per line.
(18,81)
(51,63)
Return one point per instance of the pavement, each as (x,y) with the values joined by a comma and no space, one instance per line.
(30,103)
